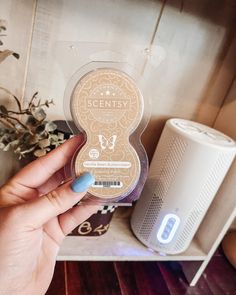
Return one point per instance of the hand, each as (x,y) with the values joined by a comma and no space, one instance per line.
(35,216)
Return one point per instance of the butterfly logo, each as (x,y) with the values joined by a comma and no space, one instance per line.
(107,143)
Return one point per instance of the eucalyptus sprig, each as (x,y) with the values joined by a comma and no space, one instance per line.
(25,130)
(6,52)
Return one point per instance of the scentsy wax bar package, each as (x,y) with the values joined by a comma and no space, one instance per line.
(108,89)
(107,99)
(108,106)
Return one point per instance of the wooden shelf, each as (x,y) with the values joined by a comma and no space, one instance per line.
(119,244)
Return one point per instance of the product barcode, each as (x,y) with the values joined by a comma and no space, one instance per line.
(112,184)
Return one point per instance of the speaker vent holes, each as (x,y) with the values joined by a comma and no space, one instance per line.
(150,220)
(191,221)
(158,186)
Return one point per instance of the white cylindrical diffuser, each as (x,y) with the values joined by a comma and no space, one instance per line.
(188,167)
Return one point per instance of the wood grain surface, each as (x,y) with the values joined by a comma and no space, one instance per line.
(140,278)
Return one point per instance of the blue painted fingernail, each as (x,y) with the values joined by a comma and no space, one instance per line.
(82,183)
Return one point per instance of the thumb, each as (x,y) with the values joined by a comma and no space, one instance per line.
(39,211)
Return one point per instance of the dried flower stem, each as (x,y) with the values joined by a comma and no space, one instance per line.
(19,122)
(28,110)
(29,150)
(32,99)
(11,94)
(7,123)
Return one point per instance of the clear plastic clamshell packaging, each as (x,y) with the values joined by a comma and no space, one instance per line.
(107,101)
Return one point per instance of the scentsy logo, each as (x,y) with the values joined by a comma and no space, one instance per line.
(108,97)
(112,103)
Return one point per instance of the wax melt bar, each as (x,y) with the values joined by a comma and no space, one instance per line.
(108,106)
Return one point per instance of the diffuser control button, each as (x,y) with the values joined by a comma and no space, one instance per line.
(168,228)
(165,235)
(171,221)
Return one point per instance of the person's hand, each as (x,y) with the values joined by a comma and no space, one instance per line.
(35,216)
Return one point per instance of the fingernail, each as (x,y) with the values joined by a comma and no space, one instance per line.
(82,183)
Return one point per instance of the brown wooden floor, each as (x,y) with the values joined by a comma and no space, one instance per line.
(140,278)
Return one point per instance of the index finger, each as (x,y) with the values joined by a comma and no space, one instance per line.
(39,171)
